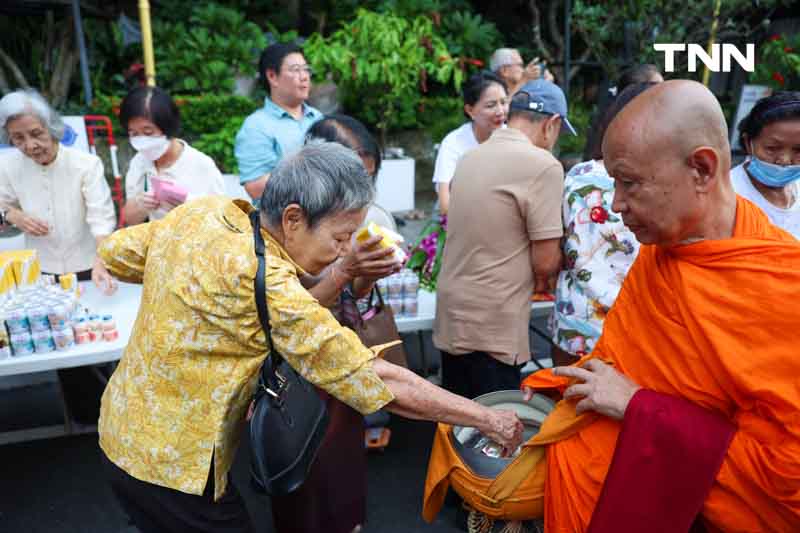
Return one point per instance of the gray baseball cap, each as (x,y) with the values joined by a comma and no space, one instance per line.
(543,97)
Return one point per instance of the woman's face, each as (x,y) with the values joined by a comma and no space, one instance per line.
(490,111)
(778,143)
(143,127)
(316,248)
(32,138)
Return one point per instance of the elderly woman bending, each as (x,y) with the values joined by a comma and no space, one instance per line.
(173,410)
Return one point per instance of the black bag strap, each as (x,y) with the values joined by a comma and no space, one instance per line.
(261,293)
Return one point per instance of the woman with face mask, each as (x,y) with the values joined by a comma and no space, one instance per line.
(486,107)
(770,178)
(152,120)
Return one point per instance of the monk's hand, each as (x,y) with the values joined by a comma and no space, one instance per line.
(504,428)
(602,388)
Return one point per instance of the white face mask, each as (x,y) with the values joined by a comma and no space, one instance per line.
(151,148)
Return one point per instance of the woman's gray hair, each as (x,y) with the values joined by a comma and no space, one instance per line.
(502,57)
(323,178)
(29,102)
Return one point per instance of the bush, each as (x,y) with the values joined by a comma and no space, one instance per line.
(211,113)
(580,115)
(200,115)
(218,145)
(439,115)
(383,65)
(207,54)
(778,64)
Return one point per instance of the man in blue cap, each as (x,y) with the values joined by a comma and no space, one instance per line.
(503,234)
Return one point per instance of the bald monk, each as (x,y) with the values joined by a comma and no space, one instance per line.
(688,409)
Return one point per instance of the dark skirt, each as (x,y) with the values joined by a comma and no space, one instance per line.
(333,498)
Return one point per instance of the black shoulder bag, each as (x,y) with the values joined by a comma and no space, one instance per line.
(289,417)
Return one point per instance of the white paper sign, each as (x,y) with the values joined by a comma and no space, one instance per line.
(75,133)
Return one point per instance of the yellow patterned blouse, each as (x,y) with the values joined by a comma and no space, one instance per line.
(181,390)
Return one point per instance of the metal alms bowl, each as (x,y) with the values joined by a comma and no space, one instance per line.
(531,413)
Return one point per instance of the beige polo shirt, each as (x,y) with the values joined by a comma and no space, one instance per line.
(506,194)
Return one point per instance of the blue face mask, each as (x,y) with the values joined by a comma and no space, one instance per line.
(773,175)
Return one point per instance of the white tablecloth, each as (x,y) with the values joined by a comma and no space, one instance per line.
(124,305)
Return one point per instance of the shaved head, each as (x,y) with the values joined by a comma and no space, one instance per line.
(668,152)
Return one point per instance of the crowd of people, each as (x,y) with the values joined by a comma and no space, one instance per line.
(673,276)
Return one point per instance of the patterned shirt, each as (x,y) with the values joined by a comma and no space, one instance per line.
(598,251)
(267,135)
(181,390)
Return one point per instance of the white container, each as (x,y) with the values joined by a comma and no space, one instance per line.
(395,185)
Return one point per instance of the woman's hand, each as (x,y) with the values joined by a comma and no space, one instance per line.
(504,428)
(603,390)
(367,260)
(102,278)
(147,201)
(27,223)
(169,206)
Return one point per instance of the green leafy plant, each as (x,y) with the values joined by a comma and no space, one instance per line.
(218,145)
(580,115)
(210,113)
(439,115)
(383,64)
(470,36)
(206,54)
(778,63)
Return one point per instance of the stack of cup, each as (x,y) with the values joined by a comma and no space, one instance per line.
(410,293)
(109,328)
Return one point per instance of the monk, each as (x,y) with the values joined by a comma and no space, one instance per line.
(687,412)
(707,314)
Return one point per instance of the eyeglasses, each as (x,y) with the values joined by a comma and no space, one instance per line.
(295,70)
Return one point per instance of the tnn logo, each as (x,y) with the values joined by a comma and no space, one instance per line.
(695,51)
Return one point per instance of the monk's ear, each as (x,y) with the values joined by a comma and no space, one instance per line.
(703,162)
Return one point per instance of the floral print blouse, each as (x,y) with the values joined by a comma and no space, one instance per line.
(598,251)
(177,401)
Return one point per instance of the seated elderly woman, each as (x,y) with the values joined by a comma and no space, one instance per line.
(58,197)
(173,410)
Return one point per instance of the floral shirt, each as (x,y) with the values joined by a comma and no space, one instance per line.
(598,251)
(183,385)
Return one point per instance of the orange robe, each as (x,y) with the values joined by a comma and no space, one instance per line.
(717,323)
